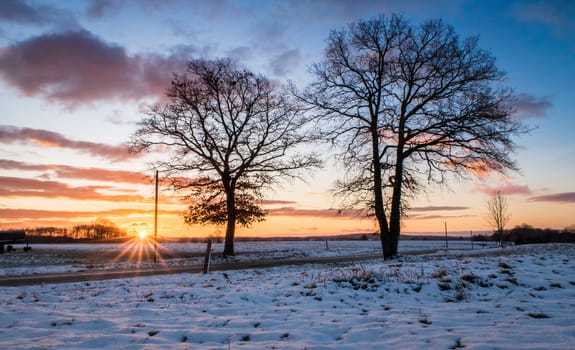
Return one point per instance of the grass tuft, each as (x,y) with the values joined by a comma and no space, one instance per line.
(439,273)
(444,286)
(458,345)
(425,321)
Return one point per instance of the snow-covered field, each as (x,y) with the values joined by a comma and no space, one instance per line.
(47,258)
(512,298)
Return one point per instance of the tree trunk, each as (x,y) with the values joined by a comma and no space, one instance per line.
(378,197)
(395,212)
(231,223)
(395,215)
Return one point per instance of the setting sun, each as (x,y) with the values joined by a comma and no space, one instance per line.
(142,234)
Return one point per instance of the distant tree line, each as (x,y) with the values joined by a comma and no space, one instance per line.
(526,234)
(97,230)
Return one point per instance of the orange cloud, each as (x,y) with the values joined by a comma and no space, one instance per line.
(69,172)
(13,134)
(318,213)
(275,202)
(438,208)
(7,213)
(19,187)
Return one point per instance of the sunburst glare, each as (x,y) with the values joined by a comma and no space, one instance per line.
(140,249)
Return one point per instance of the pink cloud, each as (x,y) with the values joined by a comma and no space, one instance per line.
(437,208)
(97,174)
(565,197)
(45,138)
(70,172)
(276,202)
(506,189)
(527,106)
(321,213)
(19,213)
(77,67)
(13,187)
(435,216)
(284,62)
(350,213)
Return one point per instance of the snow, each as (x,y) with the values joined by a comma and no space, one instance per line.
(491,298)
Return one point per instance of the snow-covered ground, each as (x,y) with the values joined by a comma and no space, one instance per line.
(513,298)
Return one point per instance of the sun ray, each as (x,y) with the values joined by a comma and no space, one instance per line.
(140,249)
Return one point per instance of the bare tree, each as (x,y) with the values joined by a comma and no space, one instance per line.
(235,131)
(409,105)
(498,213)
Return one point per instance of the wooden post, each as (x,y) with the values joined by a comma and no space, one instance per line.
(208,257)
(156,221)
(471,233)
(446,243)
(326,245)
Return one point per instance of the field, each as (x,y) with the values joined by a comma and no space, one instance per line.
(488,298)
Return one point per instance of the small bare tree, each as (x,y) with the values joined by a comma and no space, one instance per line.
(498,213)
(236,131)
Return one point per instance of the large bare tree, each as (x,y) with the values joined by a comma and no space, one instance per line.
(235,131)
(409,104)
(498,213)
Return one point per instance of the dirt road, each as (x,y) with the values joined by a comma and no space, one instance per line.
(87,276)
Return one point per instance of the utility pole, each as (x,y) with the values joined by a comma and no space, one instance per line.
(156,221)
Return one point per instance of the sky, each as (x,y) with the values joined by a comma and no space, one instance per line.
(77,76)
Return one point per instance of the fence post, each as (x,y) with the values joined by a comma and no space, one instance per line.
(208,256)
(446,242)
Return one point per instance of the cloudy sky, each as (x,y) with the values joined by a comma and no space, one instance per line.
(76,76)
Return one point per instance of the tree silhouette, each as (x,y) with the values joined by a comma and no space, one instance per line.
(236,131)
(498,213)
(409,105)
